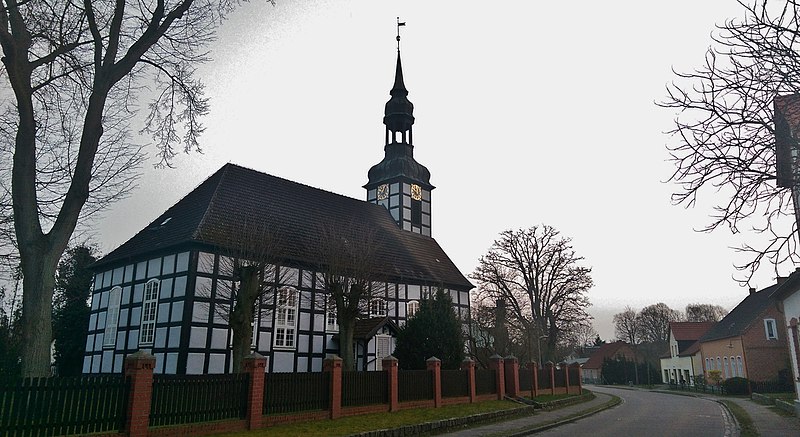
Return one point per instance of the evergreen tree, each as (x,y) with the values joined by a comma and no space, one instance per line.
(71,308)
(433,331)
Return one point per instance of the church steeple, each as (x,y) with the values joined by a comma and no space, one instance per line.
(399,182)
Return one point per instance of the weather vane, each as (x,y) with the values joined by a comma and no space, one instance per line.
(399,24)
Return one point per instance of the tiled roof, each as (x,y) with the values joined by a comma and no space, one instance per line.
(365,329)
(740,318)
(787,287)
(691,350)
(689,331)
(608,350)
(235,198)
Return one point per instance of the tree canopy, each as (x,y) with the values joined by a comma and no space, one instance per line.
(434,331)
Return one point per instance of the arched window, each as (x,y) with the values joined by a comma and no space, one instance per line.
(411,308)
(725,363)
(285,317)
(112,317)
(147,330)
(739,365)
(377,308)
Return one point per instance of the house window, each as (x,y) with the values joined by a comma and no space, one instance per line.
(377,308)
(330,318)
(719,365)
(285,317)
(411,308)
(771,329)
(733,367)
(739,364)
(112,318)
(725,363)
(149,311)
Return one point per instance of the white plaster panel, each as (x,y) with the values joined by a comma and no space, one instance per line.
(128,273)
(264,342)
(117,275)
(93,322)
(141,270)
(154,268)
(304,321)
(319,322)
(219,339)
(200,312)
(205,262)
(302,364)
(118,360)
(179,288)
(161,338)
(413,292)
(98,281)
(108,362)
(101,320)
(138,292)
(283,362)
(171,364)
(319,344)
(133,339)
(163,313)
(197,337)
(104,299)
(194,363)
(126,295)
(107,279)
(89,343)
(174,336)
(177,312)
(120,345)
(159,368)
(96,363)
(316,364)
(202,287)
(87,364)
(183,262)
(302,343)
(136,316)
(216,363)
(166,288)
(169,265)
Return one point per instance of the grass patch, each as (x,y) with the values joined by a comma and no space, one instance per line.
(781,396)
(780,411)
(372,422)
(747,427)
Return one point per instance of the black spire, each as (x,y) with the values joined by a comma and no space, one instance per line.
(399,112)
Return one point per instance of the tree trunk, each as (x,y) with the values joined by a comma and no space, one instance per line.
(346,330)
(241,318)
(38,282)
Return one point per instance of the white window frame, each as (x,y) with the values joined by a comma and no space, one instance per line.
(377,308)
(112,317)
(412,308)
(331,322)
(147,327)
(770,325)
(285,326)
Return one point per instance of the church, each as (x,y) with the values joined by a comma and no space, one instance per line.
(167,290)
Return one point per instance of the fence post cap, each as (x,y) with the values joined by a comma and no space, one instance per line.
(468,360)
(254,356)
(140,355)
(390,358)
(549,364)
(333,357)
(432,360)
(495,357)
(510,357)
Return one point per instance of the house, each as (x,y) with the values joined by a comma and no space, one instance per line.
(593,367)
(683,362)
(168,289)
(788,296)
(747,342)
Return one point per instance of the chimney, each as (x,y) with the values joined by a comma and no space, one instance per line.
(752,290)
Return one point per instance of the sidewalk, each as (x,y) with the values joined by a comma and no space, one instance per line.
(767,422)
(542,420)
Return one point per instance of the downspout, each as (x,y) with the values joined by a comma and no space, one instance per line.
(746,365)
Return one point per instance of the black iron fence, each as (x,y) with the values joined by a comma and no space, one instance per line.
(414,385)
(455,383)
(364,388)
(485,382)
(179,399)
(544,378)
(560,378)
(771,387)
(525,379)
(63,405)
(293,392)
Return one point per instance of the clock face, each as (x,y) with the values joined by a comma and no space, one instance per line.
(416,192)
(383,192)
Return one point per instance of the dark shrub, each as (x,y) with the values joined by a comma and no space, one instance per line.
(735,386)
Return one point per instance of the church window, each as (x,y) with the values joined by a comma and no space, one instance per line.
(112,317)
(377,308)
(149,311)
(285,317)
(411,308)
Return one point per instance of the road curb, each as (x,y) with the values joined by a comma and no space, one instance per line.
(615,400)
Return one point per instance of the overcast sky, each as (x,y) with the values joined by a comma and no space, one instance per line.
(526,113)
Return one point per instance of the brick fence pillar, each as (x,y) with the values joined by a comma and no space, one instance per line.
(550,369)
(496,364)
(390,366)
(435,365)
(255,365)
(333,364)
(535,382)
(139,368)
(469,366)
(511,364)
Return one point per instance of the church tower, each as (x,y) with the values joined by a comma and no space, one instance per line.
(399,182)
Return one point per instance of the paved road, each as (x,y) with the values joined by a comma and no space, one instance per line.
(644,413)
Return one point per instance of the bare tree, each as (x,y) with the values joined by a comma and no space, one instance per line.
(538,274)
(724,134)
(654,322)
(627,326)
(352,270)
(703,312)
(252,250)
(76,70)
